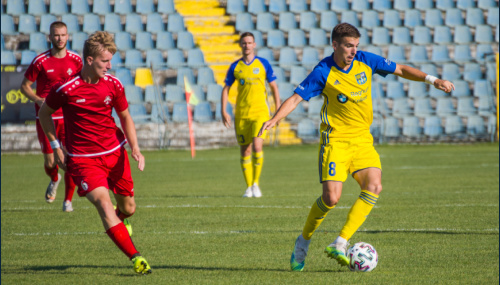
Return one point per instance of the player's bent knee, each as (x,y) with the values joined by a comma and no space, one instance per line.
(374,188)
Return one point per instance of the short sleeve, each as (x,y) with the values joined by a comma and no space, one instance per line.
(230,74)
(56,99)
(379,64)
(270,76)
(314,83)
(32,72)
(120,100)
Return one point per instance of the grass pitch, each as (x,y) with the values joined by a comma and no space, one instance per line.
(436,222)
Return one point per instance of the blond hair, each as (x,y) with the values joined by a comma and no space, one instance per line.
(97,43)
(57,25)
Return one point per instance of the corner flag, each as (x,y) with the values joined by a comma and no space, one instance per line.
(191,98)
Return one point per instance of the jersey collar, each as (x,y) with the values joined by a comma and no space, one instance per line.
(340,69)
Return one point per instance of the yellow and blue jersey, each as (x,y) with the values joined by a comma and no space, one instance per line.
(251,101)
(347,110)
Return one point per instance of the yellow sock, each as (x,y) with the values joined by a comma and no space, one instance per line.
(246,167)
(257,161)
(358,213)
(318,212)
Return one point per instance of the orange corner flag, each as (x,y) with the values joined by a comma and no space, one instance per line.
(190,96)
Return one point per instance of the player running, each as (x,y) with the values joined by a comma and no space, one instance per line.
(96,157)
(251,73)
(46,69)
(346,146)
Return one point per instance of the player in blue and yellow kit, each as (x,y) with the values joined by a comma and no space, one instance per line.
(250,72)
(346,145)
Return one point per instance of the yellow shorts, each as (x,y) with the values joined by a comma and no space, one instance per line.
(338,157)
(247,129)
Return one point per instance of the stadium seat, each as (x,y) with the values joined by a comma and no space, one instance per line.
(422,36)
(112,23)
(179,113)
(317,38)
(433,18)
(491,71)
(80,7)
(307,129)
(493,17)
(145,6)
(138,113)
(125,76)
(275,39)
(265,22)
(381,5)
(391,127)
(286,90)
(45,21)
(298,6)
(202,113)
(327,51)
(423,107)
(280,72)
(164,41)
(375,49)
(445,4)
(133,23)
(266,53)
(310,57)
(159,113)
(27,56)
(401,36)
(392,19)
(58,7)
(474,17)
(364,40)
(175,23)
(432,126)
(453,125)
(475,126)
(411,127)
(91,23)
(360,5)
(205,76)
(175,58)
(308,21)
(287,58)
(174,94)
(454,17)
(144,41)
(401,108)
(277,6)
(116,60)
(235,6)
(380,36)
(369,19)
(412,18)
(71,22)
(486,106)
(297,74)
(185,72)
(214,92)
(134,94)
(462,54)
(38,42)
(440,54)
(133,58)
(395,90)
(403,5)
(424,4)
(35,7)
(198,91)
(314,109)
(483,35)
(464,4)
(78,40)
(123,7)
(297,114)
(461,89)
(27,24)
(451,72)
(328,20)
(155,57)
(417,89)
(319,5)
(396,53)
(350,17)
(286,21)
(465,106)
(15,7)
(195,58)
(101,7)
(442,35)
(256,6)
(485,4)
(218,107)
(123,41)
(8,57)
(483,52)
(444,106)
(462,35)
(259,40)
(143,77)
(482,88)
(339,5)
(244,22)
(435,93)
(154,23)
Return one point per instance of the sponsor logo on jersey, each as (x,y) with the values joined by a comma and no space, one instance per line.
(256,70)
(336,82)
(388,61)
(107,100)
(70,71)
(242,81)
(361,78)
(85,186)
(300,87)
(342,98)
(80,100)
(50,70)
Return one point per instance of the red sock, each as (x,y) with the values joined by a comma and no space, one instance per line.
(120,237)
(121,215)
(52,172)
(69,187)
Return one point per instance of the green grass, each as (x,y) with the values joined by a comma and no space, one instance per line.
(436,221)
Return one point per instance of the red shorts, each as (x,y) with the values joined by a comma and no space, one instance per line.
(111,171)
(44,141)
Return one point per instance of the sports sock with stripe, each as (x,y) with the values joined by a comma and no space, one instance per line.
(246,167)
(317,214)
(358,213)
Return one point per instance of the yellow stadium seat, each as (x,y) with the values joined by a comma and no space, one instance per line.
(143,77)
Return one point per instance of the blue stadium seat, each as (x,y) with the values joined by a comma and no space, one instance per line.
(375,49)
(195,58)
(482,88)
(423,107)
(286,90)
(91,23)
(453,125)
(417,89)
(403,5)
(317,38)
(235,6)
(145,6)
(396,53)
(483,35)
(155,57)
(80,7)
(485,4)
(422,36)
(175,23)
(465,106)
(411,127)
(297,114)
(3,42)
(112,23)
(218,107)
(433,18)
(125,76)
(307,129)
(214,92)
(327,51)
(266,53)
(308,20)
(442,35)
(432,126)
(462,35)
(175,58)
(492,17)
(328,20)
(444,106)
(450,72)
(350,17)
(123,41)
(265,22)
(174,94)
(116,60)
(154,23)
(464,4)
(491,71)
(395,90)
(412,18)
(259,40)
(391,127)
(444,5)
(380,36)
(58,7)
(280,72)
(339,5)
(15,7)
(461,89)
(275,39)
(360,5)
(78,40)
(486,106)
(101,7)
(287,58)
(401,36)
(314,109)
(134,94)
(364,40)
(298,6)
(256,6)
(472,71)
(159,113)
(296,38)
(179,113)
(297,74)
(71,22)
(166,6)
(45,21)
(38,42)
(27,24)
(436,93)
(27,56)
(164,41)
(198,91)
(475,126)
(286,21)
(483,52)
(474,17)
(133,59)
(138,113)
(35,7)
(369,19)
(277,6)
(205,76)
(462,54)
(424,4)
(244,22)
(133,23)
(8,57)
(454,17)
(123,7)
(392,19)
(310,57)
(187,72)
(440,54)
(202,113)
(144,41)
(319,5)
(382,5)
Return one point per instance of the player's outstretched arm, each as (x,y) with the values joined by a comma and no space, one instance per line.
(129,130)
(276,94)
(45,118)
(414,74)
(288,106)
(28,92)
(226,118)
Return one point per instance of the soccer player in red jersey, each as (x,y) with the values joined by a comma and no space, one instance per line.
(96,157)
(46,69)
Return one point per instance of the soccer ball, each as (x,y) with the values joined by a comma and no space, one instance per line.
(362,257)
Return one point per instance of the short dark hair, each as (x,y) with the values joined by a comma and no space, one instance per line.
(344,30)
(247,34)
(57,24)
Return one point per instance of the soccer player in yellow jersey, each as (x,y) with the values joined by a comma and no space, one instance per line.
(346,145)
(250,72)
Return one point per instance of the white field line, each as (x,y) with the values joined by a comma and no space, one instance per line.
(445,166)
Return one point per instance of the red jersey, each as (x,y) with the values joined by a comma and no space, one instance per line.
(90,127)
(47,70)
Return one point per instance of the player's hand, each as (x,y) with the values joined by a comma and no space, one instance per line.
(266,126)
(60,158)
(444,85)
(137,156)
(226,120)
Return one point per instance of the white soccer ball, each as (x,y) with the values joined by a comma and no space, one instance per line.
(362,257)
